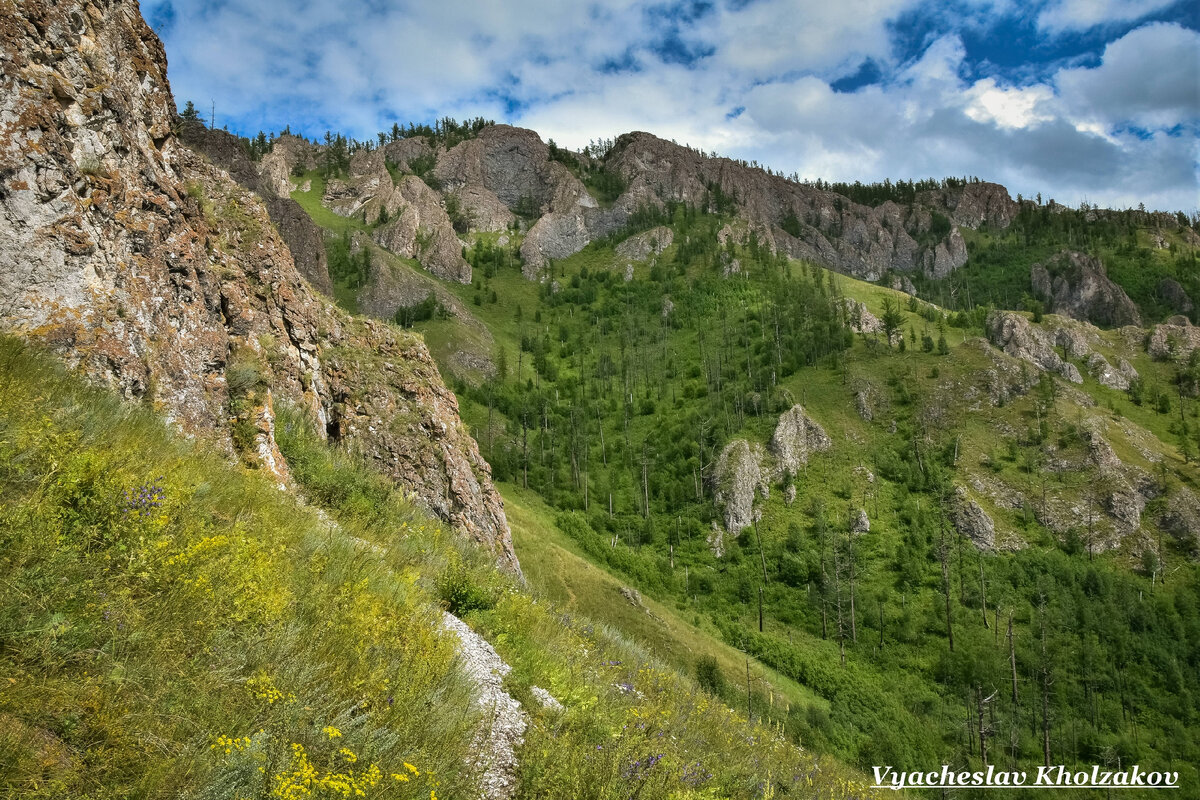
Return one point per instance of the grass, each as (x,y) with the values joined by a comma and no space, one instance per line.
(560,571)
(181,626)
(310,201)
(176,626)
(897,700)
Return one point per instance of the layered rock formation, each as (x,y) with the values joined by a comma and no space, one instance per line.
(808,223)
(1077,286)
(303,238)
(151,270)
(796,436)
(1021,339)
(738,475)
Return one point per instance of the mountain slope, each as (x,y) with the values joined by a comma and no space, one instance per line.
(157,274)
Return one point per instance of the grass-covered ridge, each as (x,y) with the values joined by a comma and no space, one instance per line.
(617,396)
(176,626)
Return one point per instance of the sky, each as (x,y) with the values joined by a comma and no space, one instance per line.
(1094,101)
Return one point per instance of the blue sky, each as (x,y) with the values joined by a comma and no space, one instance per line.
(1080,100)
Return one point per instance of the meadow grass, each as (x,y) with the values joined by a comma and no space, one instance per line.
(177,626)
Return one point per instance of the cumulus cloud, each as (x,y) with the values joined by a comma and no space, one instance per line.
(753,80)
(1080,15)
(1150,77)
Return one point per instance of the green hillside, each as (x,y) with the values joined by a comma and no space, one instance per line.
(615,398)
(182,628)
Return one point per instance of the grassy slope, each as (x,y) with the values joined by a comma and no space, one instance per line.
(179,627)
(901,672)
(833,479)
(561,571)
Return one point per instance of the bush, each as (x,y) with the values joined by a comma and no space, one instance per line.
(709,676)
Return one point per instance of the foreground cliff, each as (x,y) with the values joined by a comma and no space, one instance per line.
(151,270)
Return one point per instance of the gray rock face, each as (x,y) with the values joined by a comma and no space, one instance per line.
(485,210)
(1020,338)
(402,152)
(561,234)
(1174,295)
(288,152)
(641,246)
(1174,340)
(514,165)
(947,256)
(146,267)
(972,521)
(1073,342)
(419,228)
(796,436)
(1101,370)
(976,205)
(738,475)
(824,227)
(1077,286)
(903,283)
(1180,517)
(270,179)
(860,522)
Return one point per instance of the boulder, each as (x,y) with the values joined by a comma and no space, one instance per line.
(641,246)
(1174,296)
(1099,368)
(969,519)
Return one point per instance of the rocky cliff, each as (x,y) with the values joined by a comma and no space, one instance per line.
(302,237)
(149,268)
(507,177)
(1077,286)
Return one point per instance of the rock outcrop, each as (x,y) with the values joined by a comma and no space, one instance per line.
(975,205)
(641,246)
(969,519)
(1175,296)
(1175,339)
(796,437)
(1077,286)
(504,722)
(1020,338)
(303,238)
(419,228)
(149,269)
(1180,516)
(737,477)
(1115,378)
(809,223)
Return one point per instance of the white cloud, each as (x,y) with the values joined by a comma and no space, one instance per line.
(762,91)
(1149,77)
(1082,15)
(1013,107)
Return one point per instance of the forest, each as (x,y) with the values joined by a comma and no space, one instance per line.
(918,645)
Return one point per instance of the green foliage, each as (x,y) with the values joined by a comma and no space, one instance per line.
(347,267)
(160,594)
(997,269)
(427,309)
